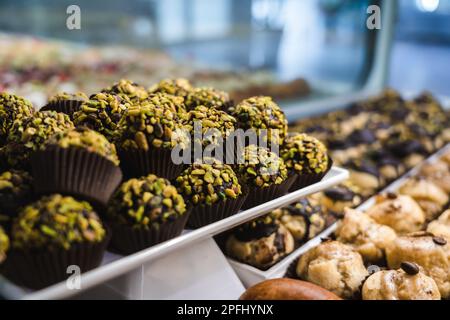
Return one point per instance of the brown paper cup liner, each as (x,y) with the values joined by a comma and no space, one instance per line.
(75,172)
(37,269)
(258,196)
(128,240)
(305,180)
(138,163)
(68,107)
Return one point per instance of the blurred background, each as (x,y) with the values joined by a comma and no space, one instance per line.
(294,50)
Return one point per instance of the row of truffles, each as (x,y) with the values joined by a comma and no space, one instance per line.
(398,249)
(263,242)
(379,139)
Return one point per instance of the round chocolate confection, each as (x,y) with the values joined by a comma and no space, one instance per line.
(261,168)
(56,222)
(262,113)
(403,149)
(178,87)
(168,101)
(84,138)
(146,202)
(208,97)
(305,154)
(16,188)
(4,244)
(208,183)
(128,89)
(363,165)
(150,124)
(30,133)
(363,136)
(257,229)
(65,96)
(340,193)
(102,113)
(65,102)
(12,107)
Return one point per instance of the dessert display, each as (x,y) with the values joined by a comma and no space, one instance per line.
(260,243)
(16,190)
(407,283)
(144,212)
(335,267)
(12,107)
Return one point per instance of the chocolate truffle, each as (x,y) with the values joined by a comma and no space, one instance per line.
(178,87)
(261,168)
(208,183)
(12,107)
(262,113)
(128,89)
(146,202)
(15,191)
(67,103)
(56,222)
(208,97)
(30,133)
(305,154)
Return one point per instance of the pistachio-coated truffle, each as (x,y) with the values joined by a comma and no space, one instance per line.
(4,244)
(146,202)
(147,126)
(208,97)
(29,134)
(213,122)
(261,168)
(12,107)
(129,89)
(178,87)
(102,113)
(305,154)
(168,101)
(16,188)
(262,113)
(84,138)
(208,183)
(56,222)
(65,96)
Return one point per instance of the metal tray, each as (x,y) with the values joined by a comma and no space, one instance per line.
(114,266)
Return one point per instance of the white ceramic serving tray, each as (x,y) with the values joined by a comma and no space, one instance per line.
(115,266)
(250,275)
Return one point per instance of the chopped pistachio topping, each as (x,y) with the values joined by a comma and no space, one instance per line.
(262,113)
(208,183)
(12,107)
(64,96)
(56,221)
(30,133)
(4,244)
(261,168)
(129,89)
(208,97)
(168,101)
(102,113)
(178,87)
(305,154)
(16,184)
(84,138)
(145,202)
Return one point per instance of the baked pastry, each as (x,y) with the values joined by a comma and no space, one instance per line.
(178,87)
(208,183)
(430,252)
(261,168)
(208,97)
(126,88)
(365,175)
(287,289)
(438,173)
(410,151)
(4,245)
(260,243)
(408,283)
(441,226)
(366,236)
(12,107)
(334,266)
(336,199)
(303,219)
(16,189)
(399,212)
(262,115)
(28,134)
(304,154)
(430,197)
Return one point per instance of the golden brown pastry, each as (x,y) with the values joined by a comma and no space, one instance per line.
(365,176)
(287,289)
(336,199)
(430,197)
(399,212)
(334,266)
(260,243)
(366,236)
(437,173)
(441,226)
(407,283)
(446,157)
(430,252)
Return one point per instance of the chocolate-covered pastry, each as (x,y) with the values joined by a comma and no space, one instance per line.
(334,266)
(412,152)
(400,212)
(260,243)
(336,199)
(365,175)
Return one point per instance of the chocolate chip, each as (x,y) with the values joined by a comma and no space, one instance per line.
(326,239)
(439,241)
(391,195)
(410,268)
